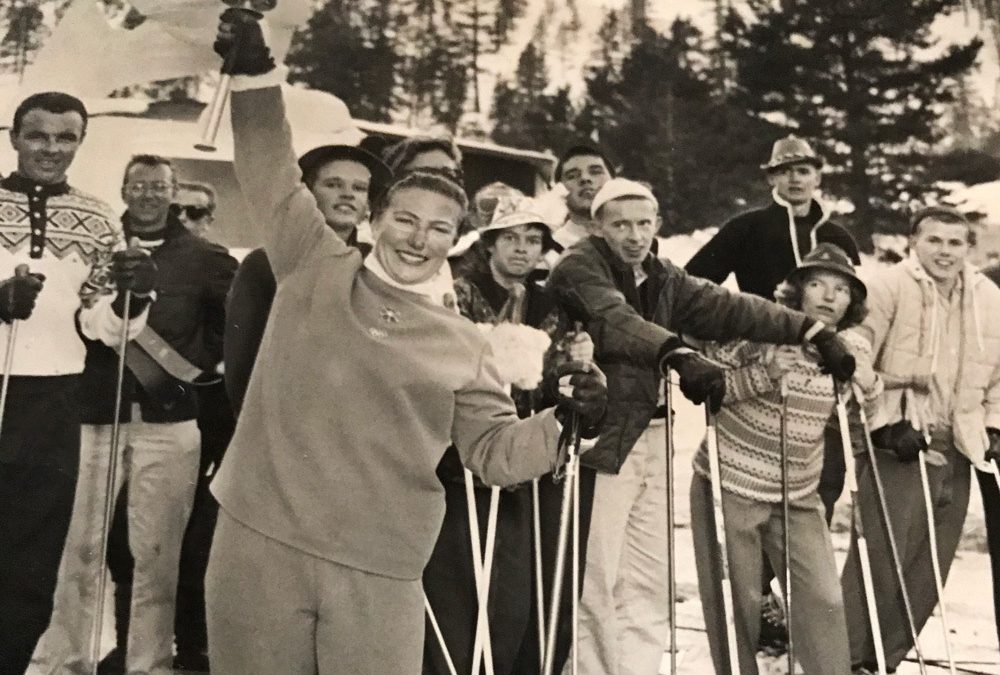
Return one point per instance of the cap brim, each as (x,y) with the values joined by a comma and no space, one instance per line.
(800,271)
(381,175)
(815,161)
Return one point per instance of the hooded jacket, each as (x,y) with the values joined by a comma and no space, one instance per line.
(903,325)
(758,246)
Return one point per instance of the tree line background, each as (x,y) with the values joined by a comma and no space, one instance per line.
(890,105)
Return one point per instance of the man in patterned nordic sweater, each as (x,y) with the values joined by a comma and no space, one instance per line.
(73,247)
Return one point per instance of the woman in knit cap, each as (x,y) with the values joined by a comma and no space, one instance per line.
(826,289)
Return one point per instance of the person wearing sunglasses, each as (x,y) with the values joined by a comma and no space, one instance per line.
(195,207)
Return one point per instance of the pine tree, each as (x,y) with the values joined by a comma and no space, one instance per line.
(23,29)
(653,107)
(853,76)
(347,48)
(525,115)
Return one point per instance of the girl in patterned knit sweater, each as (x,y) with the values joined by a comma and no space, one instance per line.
(825,288)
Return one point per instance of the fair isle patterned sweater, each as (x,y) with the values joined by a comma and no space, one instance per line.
(69,237)
(749,424)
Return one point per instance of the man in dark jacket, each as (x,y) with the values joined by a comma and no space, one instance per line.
(634,306)
(160,440)
(762,246)
(345,180)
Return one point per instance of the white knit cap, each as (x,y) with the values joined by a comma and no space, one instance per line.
(616,188)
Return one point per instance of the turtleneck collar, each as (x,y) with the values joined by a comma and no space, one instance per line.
(171,229)
(439,289)
(16,182)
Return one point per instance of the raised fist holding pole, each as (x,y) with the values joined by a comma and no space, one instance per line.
(244,51)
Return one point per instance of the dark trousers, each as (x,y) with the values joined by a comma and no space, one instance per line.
(39,458)
(991,505)
(449,581)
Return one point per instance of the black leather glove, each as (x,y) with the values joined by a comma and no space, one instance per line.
(902,439)
(701,380)
(240,42)
(589,398)
(133,270)
(993,452)
(18,294)
(834,356)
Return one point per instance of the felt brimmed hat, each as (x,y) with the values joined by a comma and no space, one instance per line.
(792,150)
(381,176)
(616,188)
(831,258)
(517,217)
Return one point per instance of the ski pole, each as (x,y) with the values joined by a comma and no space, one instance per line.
(720,540)
(671,516)
(109,488)
(8,360)
(785,521)
(887,522)
(862,540)
(932,531)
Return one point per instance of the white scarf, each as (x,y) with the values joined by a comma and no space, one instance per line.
(439,289)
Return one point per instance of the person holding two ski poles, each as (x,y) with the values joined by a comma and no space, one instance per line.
(765,382)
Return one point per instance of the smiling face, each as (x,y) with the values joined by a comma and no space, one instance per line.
(414,233)
(629,226)
(795,183)
(826,295)
(341,191)
(941,248)
(46,144)
(583,176)
(516,251)
(148,192)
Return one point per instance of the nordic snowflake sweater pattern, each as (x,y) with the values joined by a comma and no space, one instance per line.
(749,424)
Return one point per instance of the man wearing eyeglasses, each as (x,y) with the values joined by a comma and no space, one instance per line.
(195,206)
(161,449)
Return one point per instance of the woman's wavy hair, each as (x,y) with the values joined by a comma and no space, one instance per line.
(789,294)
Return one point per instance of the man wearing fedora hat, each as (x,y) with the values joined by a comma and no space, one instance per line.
(760,247)
(345,180)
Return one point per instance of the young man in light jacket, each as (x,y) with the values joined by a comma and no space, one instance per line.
(932,326)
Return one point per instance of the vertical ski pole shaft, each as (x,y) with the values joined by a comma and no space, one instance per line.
(110,484)
(720,539)
(859,532)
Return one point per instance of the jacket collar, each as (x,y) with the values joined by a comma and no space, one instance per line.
(174,228)
(15,182)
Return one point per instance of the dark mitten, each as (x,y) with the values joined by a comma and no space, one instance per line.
(241,44)
(589,395)
(18,294)
(701,380)
(993,452)
(835,358)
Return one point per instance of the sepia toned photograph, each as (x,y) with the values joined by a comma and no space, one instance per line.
(500,337)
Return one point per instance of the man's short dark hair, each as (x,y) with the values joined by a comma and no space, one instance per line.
(583,150)
(149,160)
(55,102)
(405,151)
(424,180)
(942,213)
